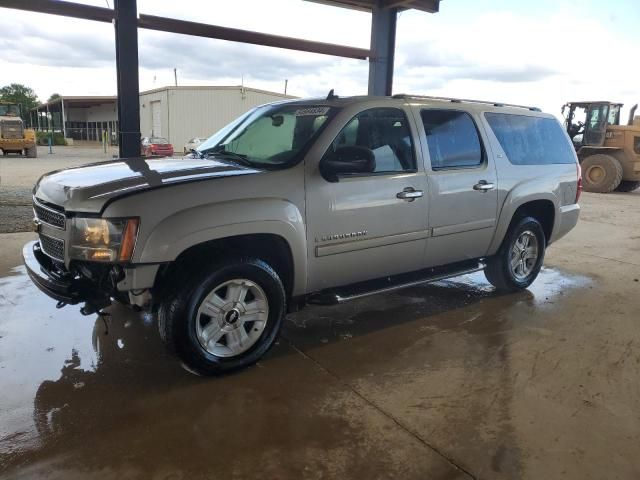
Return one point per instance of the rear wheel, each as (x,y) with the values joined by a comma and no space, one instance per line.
(225,318)
(519,260)
(601,173)
(32,152)
(627,186)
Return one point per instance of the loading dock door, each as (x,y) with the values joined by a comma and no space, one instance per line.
(156,124)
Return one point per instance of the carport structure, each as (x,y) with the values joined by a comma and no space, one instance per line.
(77,117)
(126,20)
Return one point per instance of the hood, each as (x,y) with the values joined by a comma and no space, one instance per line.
(87,188)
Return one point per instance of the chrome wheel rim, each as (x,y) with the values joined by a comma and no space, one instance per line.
(524,255)
(232,317)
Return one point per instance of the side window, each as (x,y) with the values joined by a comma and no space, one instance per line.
(384,131)
(452,139)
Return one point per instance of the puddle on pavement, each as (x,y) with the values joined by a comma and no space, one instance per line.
(62,372)
(430,301)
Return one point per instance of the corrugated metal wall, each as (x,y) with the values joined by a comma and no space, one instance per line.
(189,112)
(200,112)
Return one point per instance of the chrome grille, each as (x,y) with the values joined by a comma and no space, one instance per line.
(12,129)
(49,216)
(54,247)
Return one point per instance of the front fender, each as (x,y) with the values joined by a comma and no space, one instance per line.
(187,228)
(524,192)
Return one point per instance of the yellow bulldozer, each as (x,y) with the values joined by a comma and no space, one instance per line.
(609,153)
(14,138)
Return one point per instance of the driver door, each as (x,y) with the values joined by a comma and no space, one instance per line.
(364,225)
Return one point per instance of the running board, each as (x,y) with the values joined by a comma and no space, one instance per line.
(354,291)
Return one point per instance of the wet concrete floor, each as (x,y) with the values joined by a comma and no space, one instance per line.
(442,381)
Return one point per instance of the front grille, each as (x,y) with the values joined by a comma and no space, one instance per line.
(49,216)
(54,247)
(12,129)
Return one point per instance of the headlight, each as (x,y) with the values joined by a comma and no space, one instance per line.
(103,240)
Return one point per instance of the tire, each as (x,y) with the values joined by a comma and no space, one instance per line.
(32,152)
(627,186)
(500,272)
(184,320)
(601,173)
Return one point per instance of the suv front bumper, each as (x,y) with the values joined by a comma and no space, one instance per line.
(59,285)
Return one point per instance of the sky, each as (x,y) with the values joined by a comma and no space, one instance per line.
(541,53)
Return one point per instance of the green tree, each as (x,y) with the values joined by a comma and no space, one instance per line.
(21,94)
(53,97)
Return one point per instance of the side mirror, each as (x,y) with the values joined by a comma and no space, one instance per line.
(347,161)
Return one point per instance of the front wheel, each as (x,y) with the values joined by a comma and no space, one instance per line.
(520,257)
(601,173)
(225,318)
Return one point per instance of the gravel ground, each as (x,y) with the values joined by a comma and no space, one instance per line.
(19,174)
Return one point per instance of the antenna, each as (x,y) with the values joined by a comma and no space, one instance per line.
(331,95)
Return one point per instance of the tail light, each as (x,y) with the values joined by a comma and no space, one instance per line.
(579,187)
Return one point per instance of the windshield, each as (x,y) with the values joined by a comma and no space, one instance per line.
(271,135)
(158,140)
(9,110)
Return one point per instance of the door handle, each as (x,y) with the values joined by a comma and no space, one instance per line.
(409,194)
(483,186)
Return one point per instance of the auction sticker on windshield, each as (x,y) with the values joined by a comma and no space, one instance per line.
(315,111)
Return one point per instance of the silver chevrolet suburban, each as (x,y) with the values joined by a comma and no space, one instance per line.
(306,201)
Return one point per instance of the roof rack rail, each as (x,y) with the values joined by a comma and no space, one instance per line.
(465,100)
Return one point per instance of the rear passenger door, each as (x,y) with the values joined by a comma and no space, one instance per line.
(463,193)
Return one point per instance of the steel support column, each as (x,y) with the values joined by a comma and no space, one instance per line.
(64,119)
(126,27)
(383,44)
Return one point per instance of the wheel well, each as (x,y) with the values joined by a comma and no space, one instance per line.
(541,210)
(585,152)
(271,248)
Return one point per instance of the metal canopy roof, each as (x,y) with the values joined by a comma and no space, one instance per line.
(431,6)
(77,102)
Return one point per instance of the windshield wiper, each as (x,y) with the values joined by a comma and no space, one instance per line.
(197,153)
(233,156)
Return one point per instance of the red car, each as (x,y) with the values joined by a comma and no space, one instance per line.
(156,146)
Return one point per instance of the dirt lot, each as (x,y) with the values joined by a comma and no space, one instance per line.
(442,381)
(19,174)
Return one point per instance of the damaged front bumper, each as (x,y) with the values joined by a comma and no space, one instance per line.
(60,284)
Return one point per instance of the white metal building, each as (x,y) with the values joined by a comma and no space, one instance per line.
(176,113)
(181,113)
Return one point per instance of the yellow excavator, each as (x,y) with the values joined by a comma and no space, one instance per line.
(14,138)
(609,152)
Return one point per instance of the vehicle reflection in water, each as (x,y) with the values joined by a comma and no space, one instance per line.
(107,390)
(129,358)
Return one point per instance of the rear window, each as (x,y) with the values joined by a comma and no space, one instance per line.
(531,140)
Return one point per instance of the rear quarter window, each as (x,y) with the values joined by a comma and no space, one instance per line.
(528,140)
